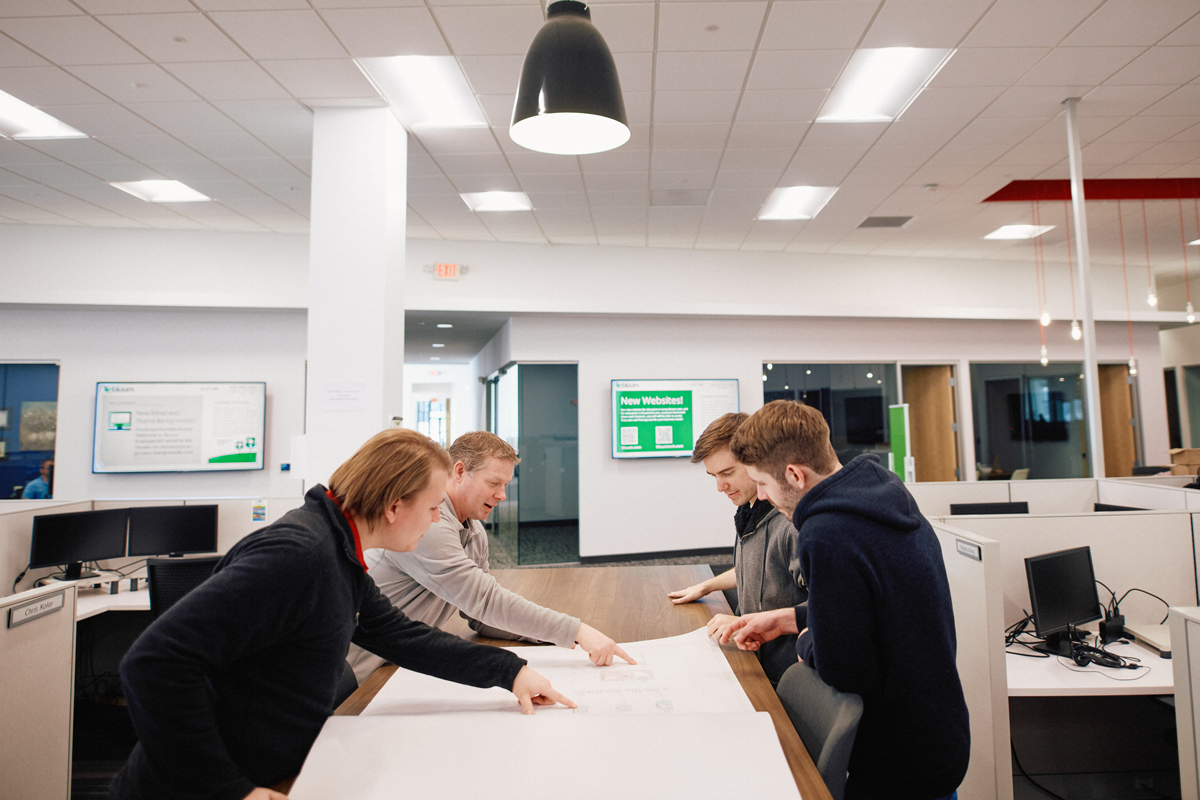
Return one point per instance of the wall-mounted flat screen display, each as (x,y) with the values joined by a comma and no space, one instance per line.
(172,530)
(179,427)
(663,418)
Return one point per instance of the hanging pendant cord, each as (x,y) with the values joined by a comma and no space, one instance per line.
(1125,274)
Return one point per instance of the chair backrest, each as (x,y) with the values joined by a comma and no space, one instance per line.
(1020,474)
(172,578)
(826,720)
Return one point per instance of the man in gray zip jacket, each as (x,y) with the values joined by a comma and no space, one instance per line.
(448,570)
(763,571)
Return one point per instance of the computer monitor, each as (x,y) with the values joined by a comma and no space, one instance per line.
(1062,589)
(959,509)
(172,530)
(69,540)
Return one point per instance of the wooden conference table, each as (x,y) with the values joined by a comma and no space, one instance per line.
(630,604)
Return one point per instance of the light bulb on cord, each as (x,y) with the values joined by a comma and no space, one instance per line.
(1045,356)
(1045,319)
(1191,317)
(1132,366)
(1152,298)
(1076,331)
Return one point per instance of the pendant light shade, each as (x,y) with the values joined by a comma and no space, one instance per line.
(569,100)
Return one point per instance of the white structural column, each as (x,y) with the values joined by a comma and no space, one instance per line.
(1091,381)
(356,284)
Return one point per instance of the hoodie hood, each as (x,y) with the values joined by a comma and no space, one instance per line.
(862,488)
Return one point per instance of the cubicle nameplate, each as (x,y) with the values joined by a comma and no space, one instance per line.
(19,615)
(969,549)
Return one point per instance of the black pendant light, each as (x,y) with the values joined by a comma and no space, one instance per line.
(569,100)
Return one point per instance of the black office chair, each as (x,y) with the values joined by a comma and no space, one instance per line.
(826,719)
(171,578)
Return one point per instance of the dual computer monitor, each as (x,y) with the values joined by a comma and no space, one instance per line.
(1062,590)
(72,539)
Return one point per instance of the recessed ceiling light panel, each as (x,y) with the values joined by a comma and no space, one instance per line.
(878,84)
(19,120)
(161,191)
(496,201)
(797,202)
(1019,231)
(425,91)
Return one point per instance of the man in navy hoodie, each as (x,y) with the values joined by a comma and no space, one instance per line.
(878,621)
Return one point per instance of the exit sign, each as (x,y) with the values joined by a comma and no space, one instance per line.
(446,272)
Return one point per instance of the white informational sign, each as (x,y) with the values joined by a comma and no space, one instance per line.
(680,674)
(179,427)
(664,418)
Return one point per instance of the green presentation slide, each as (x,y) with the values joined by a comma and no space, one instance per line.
(654,422)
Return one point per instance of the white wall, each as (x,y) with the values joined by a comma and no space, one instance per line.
(184,345)
(456,382)
(646,505)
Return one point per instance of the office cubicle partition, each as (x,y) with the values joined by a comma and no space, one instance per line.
(37,664)
(973,566)
(1061,496)
(1185,645)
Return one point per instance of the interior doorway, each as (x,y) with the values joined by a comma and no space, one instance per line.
(929,392)
(1118,420)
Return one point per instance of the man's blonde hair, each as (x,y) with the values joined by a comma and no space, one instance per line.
(785,432)
(718,435)
(476,447)
(395,464)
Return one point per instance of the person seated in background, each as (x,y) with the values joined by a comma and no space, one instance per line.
(878,621)
(229,688)
(448,571)
(41,487)
(764,548)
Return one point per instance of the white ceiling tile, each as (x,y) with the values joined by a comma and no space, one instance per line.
(998,131)
(844,134)
(952,103)
(597,182)
(552,183)
(497,108)
(77,151)
(720,71)
(915,131)
(797,69)
(767,134)
(457,140)
(134,83)
(676,107)
(637,107)
(987,66)
(821,166)
(635,71)
(259,116)
(185,118)
(626,27)
(1084,66)
(224,147)
(47,86)
(685,160)
(817,24)
(71,40)
(762,158)
(437,184)
(748,179)
(229,80)
(1131,22)
(127,170)
(780,105)
(1029,23)
(56,174)
(263,169)
(618,199)
(486,183)
(38,8)
(1167,153)
(280,34)
(99,7)
(1036,154)
(1120,101)
(372,32)
(168,38)
(1161,65)
(619,160)
(546,163)
(473,163)
(709,26)
(1183,101)
(333,78)
(1150,130)
(558,199)
(490,30)
(690,136)
(1186,34)
(923,23)
(500,74)
(152,149)
(15,55)
(108,119)
(1191,134)
(250,5)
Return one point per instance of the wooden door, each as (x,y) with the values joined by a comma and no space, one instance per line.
(1116,420)
(930,396)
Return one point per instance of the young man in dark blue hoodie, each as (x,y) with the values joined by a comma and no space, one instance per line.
(878,621)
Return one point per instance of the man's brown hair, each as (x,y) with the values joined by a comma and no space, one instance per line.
(476,447)
(394,464)
(785,432)
(718,435)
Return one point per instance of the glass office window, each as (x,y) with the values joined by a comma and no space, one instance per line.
(28,428)
(853,398)
(1029,417)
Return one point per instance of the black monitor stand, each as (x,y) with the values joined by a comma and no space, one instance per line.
(1059,644)
(74,572)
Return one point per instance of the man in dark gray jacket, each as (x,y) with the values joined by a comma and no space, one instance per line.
(764,550)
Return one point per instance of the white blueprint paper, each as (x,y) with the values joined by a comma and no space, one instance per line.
(681,675)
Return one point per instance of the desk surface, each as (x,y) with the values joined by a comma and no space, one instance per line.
(630,604)
(90,602)
(1059,676)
